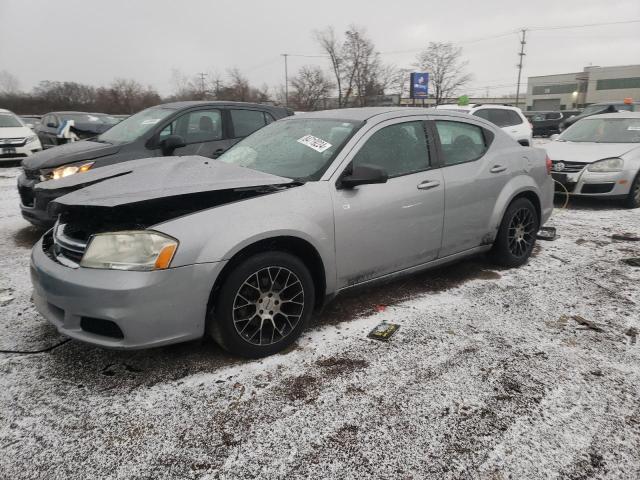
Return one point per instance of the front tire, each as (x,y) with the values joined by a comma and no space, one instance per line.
(263,305)
(633,199)
(516,235)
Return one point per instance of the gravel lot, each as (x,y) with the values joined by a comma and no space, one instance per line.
(490,376)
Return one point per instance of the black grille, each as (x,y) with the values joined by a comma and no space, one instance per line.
(67,246)
(106,328)
(567,167)
(597,187)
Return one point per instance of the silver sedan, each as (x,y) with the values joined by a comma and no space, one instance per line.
(245,247)
(599,156)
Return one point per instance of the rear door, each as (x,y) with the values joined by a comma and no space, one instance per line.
(474,175)
(385,228)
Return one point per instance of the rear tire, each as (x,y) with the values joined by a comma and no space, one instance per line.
(263,305)
(516,235)
(633,199)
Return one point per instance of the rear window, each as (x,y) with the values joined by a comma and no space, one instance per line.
(245,122)
(461,142)
(499,116)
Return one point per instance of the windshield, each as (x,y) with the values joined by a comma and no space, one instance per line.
(300,148)
(136,125)
(9,120)
(604,130)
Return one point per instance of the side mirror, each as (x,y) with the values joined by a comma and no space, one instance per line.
(363,175)
(51,125)
(555,136)
(169,144)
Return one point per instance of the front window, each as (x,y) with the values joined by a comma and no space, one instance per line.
(135,126)
(8,120)
(604,130)
(301,148)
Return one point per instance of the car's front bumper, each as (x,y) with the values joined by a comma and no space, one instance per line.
(34,203)
(19,151)
(149,308)
(595,184)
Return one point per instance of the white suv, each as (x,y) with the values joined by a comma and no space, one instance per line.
(16,139)
(509,119)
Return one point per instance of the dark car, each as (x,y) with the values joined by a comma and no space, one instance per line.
(31,121)
(85,125)
(546,123)
(602,107)
(183,128)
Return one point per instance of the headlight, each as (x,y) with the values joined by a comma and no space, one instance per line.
(132,250)
(607,165)
(67,170)
(32,138)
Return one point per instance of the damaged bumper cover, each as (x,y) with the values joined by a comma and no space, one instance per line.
(123,309)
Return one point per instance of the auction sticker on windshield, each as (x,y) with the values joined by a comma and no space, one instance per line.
(316,143)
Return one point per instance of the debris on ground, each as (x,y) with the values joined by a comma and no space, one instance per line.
(383,331)
(633,262)
(547,233)
(626,237)
(632,333)
(6,296)
(588,324)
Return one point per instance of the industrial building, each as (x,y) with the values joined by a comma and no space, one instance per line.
(594,84)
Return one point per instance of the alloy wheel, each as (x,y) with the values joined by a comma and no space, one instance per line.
(521,233)
(268,305)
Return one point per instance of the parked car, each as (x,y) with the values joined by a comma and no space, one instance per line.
(599,157)
(545,124)
(16,139)
(599,108)
(85,125)
(183,128)
(31,121)
(510,119)
(246,246)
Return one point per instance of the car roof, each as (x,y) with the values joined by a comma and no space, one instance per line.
(615,102)
(362,114)
(623,114)
(198,103)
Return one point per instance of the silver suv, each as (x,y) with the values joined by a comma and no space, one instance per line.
(245,247)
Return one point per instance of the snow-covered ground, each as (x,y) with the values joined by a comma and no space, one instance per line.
(488,377)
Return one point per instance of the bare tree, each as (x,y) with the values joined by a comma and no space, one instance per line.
(310,87)
(9,84)
(183,87)
(333,48)
(446,69)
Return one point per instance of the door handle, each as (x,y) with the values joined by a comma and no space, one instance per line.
(428,184)
(498,169)
(218,152)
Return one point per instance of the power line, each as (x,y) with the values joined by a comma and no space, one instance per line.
(563,27)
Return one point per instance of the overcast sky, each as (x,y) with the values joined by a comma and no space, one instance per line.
(95,41)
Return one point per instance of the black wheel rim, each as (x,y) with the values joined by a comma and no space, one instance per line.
(521,234)
(268,306)
(636,193)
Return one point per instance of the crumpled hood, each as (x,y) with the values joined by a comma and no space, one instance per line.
(586,152)
(156,178)
(69,153)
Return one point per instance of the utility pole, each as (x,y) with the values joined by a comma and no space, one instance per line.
(523,42)
(202,75)
(286,80)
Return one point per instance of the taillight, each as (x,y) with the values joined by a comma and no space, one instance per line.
(549,165)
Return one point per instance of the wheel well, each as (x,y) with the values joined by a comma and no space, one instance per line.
(293,245)
(533,198)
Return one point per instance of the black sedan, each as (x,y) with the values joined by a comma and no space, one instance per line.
(182,128)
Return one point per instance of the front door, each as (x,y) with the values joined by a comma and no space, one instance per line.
(385,228)
(203,131)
